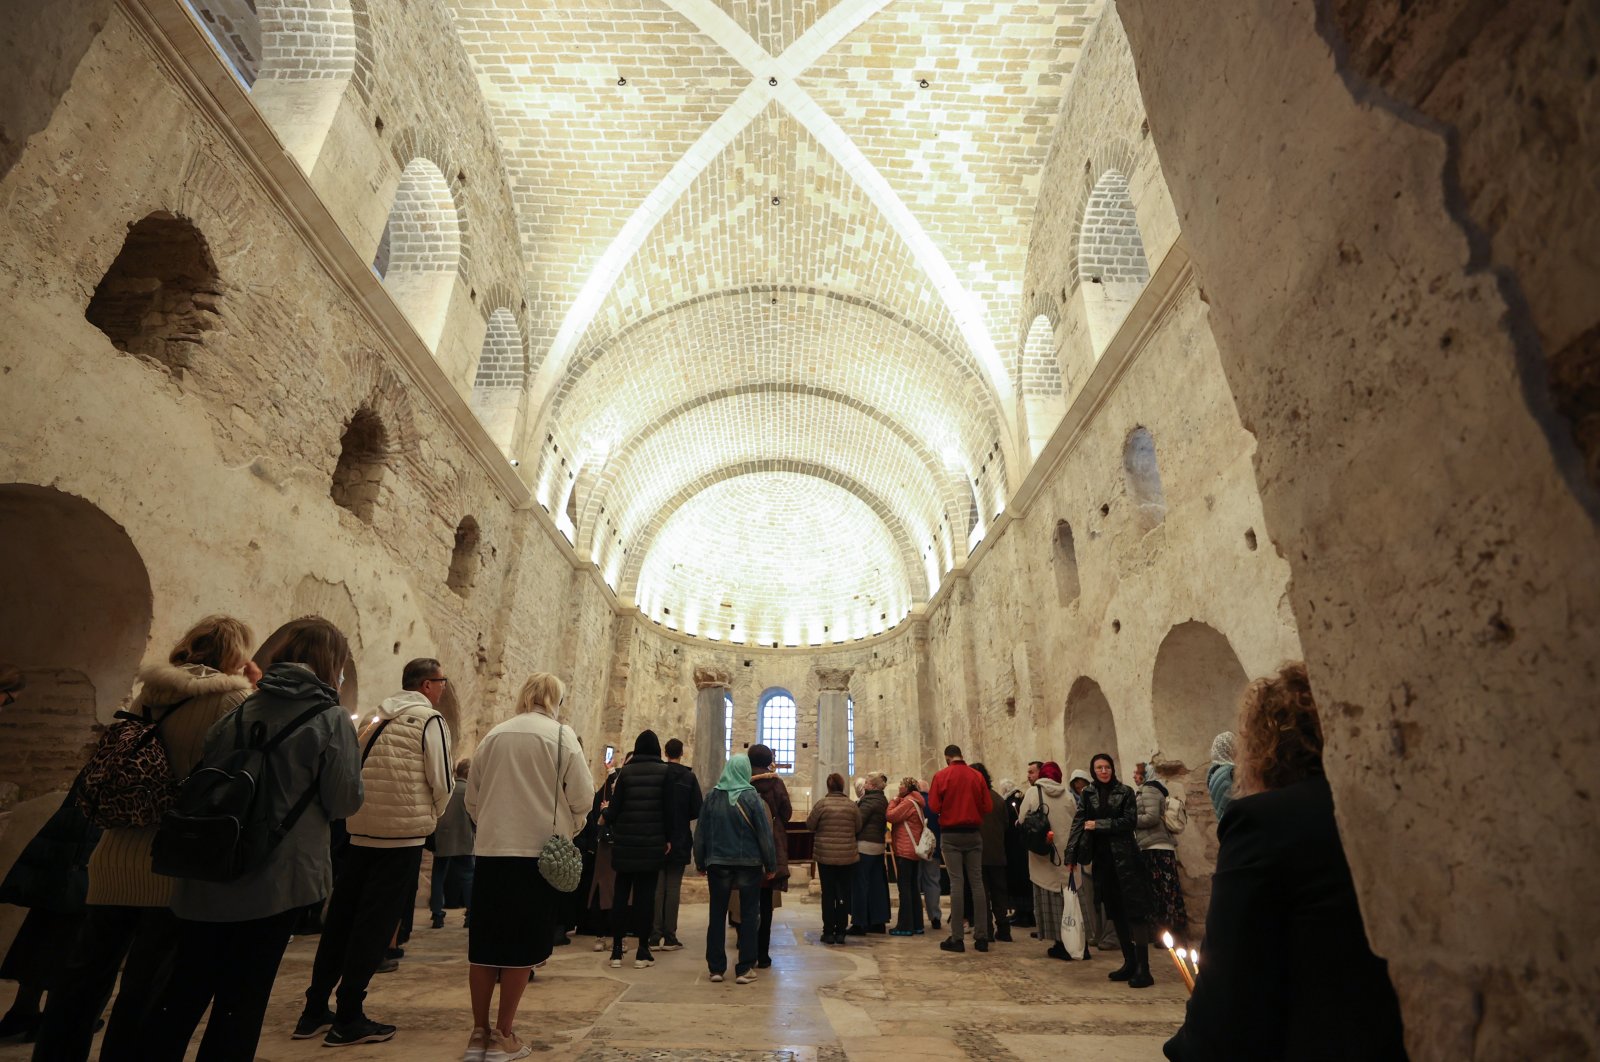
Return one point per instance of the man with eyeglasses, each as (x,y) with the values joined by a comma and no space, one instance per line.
(407,778)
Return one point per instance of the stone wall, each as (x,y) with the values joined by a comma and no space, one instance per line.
(222,475)
(1396,251)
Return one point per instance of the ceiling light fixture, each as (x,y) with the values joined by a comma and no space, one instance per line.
(621,81)
(776,200)
(923,83)
(772,81)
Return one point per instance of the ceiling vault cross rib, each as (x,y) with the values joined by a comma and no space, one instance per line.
(823,35)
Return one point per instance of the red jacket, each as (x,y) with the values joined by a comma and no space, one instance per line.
(959,797)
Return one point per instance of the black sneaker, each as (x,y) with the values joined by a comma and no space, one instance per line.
(981,945)
(311,1024)
(360,1031)
(952,945)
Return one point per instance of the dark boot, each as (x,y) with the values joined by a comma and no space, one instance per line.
(1141,977)
(1130,965)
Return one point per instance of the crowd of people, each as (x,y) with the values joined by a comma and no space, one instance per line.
(329,817)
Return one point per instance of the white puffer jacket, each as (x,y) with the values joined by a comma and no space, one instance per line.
(1149,829)
(406,774)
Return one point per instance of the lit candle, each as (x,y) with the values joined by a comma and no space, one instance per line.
(1183,971)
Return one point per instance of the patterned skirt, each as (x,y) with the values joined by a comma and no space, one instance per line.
(1048,905)
(1166,891)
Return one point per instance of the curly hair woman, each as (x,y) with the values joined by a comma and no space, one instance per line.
(1286,970)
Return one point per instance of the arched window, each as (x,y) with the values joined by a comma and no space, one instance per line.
(358,476)
(420,252)
(974,518)
(1111,264)
(1044,397)
(1065,559)
(850,731)
(464,558)
(780,718)
(727,725)
(497,387)
(1144,477)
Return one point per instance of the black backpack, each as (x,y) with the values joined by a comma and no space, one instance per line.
(1035,827)
(219,828)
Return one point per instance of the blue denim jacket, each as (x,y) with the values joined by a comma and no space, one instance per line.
(726,838)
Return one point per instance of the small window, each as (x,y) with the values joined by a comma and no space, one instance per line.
(1143,474)
(359,473)
(464,557)
(850,731)
(160,298)
(779,722)
(727,726)
(1066,564)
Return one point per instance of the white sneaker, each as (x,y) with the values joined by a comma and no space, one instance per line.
(600,943)
(667,945)
(616,962)
(745,978)
(505,1048)
(716,979)
(477,1046)
(643,964)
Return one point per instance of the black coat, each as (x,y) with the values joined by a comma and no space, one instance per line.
(52,872)
(641,816)
(686,808)
(1111,846)
(1286,970)
(874,805)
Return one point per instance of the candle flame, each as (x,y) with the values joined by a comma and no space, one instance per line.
(1194,957)
(1183,953)
(1166,941)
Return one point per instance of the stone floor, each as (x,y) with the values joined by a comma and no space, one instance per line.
(876,998)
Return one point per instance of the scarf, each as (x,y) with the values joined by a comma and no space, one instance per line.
(735,778)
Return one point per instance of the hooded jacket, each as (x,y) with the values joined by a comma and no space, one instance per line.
(405,771)
(642,815)
(320,753)
(1149,830)
(119,870)
(834,822)
(1061,806)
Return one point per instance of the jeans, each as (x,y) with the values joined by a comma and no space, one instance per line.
(836,884)
(928,880)
(640,886)
(146,936)
(723,880)
(452,878)
(374,889)
(230,967)
(907,878)
(669,890)
(963,856)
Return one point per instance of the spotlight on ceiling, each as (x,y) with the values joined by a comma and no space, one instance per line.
(776,200)
(772,81)
(621,81)
(923,83)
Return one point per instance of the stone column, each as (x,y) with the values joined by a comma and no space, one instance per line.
(833,735)
(707,755)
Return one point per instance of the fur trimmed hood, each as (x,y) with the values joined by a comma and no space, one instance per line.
(167,684)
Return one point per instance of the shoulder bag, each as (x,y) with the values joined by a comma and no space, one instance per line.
(559,860)
(927,842)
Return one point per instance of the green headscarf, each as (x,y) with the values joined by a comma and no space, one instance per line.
(735,777)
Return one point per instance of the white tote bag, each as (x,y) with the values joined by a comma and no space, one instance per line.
(1072,935)
(926,842)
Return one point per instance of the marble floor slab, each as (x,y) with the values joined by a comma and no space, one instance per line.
(876,998)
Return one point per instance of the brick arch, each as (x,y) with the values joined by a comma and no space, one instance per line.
(362,75)
(503,361)
(307,40)
(1039,366)
(640,547)
(409,145)
(593,486)
(1114,155)
(375,386)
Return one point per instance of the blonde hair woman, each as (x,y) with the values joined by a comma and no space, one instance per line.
(529,780)
(129,916)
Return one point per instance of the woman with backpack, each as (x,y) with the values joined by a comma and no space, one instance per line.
(1159,849)
(1050,804)
(128,915)
(231,934)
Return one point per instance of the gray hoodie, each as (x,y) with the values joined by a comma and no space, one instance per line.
(1050,874)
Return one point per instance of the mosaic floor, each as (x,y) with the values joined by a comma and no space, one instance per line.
(877,998)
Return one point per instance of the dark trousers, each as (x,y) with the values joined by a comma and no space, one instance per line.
(147,938)
(230,967)
(723,881)
(669,897)
(994,883)
(836,884)
(1109,889)
(908,880)
(764,926)
(452,880)
(374,887)
(633,905)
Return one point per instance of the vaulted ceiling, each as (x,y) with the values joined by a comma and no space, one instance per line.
(774,255)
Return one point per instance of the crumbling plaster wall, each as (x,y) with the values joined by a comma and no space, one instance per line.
(1392,229)
(221,474)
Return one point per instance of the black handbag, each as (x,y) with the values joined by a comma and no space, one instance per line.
(52,873)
